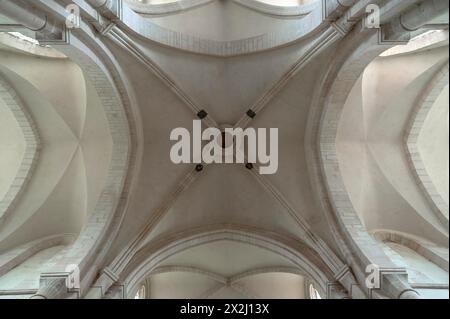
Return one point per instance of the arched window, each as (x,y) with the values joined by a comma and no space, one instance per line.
(140,294)
(313,293)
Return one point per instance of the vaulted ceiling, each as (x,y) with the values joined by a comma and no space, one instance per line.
(104,194)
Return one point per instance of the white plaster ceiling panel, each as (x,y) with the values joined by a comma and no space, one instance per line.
(69,196)
(77,143)
(226,88)
(226,194)
(387,194)
(275,285)
(419,69)
(161,111)
(385,206)
(69,101)
(211,83)
(60,146)
(225,269)
(21,151)
(180,285)
(388,155)
(418,134)
(227,258)
(228,293)
(289,111)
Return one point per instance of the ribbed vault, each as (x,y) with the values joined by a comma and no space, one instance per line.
(105,196)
